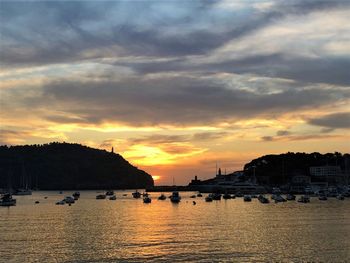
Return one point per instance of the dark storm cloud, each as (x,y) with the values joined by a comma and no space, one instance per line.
(174,100)
(339,120)
(308,70)
(54,32)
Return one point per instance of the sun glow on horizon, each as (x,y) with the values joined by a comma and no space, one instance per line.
(155,177)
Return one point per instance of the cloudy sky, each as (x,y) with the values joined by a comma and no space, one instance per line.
(177,86)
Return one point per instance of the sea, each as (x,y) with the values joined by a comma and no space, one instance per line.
(127,230)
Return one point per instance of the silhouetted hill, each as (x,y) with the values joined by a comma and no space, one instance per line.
(279,169)
(68,166)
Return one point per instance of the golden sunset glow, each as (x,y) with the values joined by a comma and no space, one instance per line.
(176,98)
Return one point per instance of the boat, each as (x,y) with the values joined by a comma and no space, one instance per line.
(226,196)
(69,200)
(162,197)
(304,199)
(22,192)
(262,199)
(193,196)
(247,198)
(144,194)
(290,197)
(147,200)
(279,198)
(239,194)
(136,194)
(322,197)
(208,198)
(24,184)
(340,197)
(175,197)
(216,196)
(76,195)
(62,202)
(199,195)
(113,197)
(110,192)
(7,200)
(100,196)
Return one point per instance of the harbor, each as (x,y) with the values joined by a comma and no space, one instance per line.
(129,230)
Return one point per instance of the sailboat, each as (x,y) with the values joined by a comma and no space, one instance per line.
(24,190)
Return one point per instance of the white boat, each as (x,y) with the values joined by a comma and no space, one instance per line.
(100,197)
(76,195)
(113,197)
(110,192)
(7,200)
(175,197)
(279,198)
(304,199)
(69,200)
(290,197)
(262,199)
(62,202)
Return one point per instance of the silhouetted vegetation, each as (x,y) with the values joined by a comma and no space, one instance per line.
(68,166)
(279,169)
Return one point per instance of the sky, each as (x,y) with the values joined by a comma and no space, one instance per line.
(177,87)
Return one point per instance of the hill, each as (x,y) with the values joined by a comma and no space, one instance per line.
(279,169)
(68,166)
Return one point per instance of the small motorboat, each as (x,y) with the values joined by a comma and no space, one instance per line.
(262,199)
(76,195)
(113,197)
(209,198)
(193,196)
(7,200)
(110,193)
(175,197)
(304,199)
(227,196)
(136,194)
(216,196)
(162,197)
(147,200)
(322,197)
(69,200)
(37,202)
(290,197)
(239,194)
(340,197)
(144,194)
(62,202)
(199,195)
(101,196)
(247,198)
(279,198)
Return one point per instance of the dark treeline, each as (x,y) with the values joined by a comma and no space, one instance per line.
(67,166)
(279,169)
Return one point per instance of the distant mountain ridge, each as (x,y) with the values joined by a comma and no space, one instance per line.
(68,166)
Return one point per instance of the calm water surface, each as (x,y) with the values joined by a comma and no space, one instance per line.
(127,230)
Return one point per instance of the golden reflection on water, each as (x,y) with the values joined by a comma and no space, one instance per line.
(129,230)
